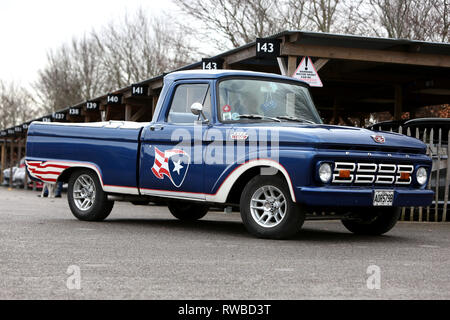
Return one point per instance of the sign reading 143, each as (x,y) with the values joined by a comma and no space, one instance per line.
(267,48)
(212,64)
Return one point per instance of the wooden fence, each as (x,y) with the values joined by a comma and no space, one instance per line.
(440,177)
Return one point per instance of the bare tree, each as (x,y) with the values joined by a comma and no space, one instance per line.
(441,30)
(232,23)
(322,13)
(131,50)
(410,19)
(294,14)
(87,67)
(138,48)
(58,84)
(16,105)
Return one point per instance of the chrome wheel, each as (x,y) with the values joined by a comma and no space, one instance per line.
(84,192)
(268,206)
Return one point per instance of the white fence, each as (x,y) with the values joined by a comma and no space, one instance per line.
(440,177)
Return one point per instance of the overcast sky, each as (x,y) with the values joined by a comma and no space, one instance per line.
(29,28)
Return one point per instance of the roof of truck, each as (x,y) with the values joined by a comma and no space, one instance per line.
(215,74)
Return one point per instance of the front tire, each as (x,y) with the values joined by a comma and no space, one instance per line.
(267,209)
(374,222)
(187,211)
(87,200)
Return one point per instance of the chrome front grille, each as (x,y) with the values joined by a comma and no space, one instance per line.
(372,173)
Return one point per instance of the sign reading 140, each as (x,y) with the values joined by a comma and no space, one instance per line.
(114,99)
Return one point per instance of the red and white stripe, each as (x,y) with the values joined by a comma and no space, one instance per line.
(161,164)
(47,171)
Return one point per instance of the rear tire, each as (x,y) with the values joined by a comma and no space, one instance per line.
(187,211)
(267,209)
(87,200)
(375,221)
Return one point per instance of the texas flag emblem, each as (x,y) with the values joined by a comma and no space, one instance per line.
(173,163)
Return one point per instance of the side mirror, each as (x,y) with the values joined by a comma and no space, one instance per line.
(197,108)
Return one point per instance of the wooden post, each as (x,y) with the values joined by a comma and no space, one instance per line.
(334,119)
(154,103)
(431,148)
(11,162)
(292,65)
(3,160)
(398,102)
(447,183)
(128,112)
(19,152)
(438,168)
(108,113)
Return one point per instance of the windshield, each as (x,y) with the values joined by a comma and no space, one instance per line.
(265,100)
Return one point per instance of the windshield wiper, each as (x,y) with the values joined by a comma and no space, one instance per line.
(298,119)
(257,116)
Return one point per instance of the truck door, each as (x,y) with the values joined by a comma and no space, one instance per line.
(171,162)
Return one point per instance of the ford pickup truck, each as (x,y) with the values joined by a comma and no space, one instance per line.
(235,140)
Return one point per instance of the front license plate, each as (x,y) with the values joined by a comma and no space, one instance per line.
(383,198)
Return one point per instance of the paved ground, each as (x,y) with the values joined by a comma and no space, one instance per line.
(144,253)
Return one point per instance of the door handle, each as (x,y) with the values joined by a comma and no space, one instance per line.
(156,127)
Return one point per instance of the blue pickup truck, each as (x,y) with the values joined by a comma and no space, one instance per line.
(235,139)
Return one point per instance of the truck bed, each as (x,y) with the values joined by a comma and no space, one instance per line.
(112,147)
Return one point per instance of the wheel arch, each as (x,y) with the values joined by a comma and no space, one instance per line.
(65,175)
(233,185)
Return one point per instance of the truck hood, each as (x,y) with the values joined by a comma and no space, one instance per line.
(340,137)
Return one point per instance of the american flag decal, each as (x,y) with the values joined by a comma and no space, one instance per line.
(46,171)
(173,163)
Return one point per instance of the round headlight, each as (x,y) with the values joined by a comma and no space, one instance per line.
(325,172)
(421,175)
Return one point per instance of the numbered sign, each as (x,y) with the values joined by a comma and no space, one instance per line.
(58,116)
(114,99)
(74,111)
(212,64)
(11,131)
(92,105)
(139,90)
(25,126)
(267,48)
(46,119)
(18,129)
